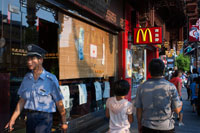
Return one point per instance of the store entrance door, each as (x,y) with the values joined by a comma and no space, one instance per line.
(48,39)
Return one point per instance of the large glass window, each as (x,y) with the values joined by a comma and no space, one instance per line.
(23,22)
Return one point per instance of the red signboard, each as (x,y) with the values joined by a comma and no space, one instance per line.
(148,35)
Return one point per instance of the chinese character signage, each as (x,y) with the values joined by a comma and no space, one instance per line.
(194,32)
(170,62)
(148,35)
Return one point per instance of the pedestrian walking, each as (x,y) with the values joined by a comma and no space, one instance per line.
(119,110)
(177,81)
(39,95)
(198,95)
(193,75)
(156,101)
(188,86)
(194,96)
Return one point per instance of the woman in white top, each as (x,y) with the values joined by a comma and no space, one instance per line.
(119,110)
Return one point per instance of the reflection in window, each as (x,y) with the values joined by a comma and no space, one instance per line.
(138,68)
(17,33)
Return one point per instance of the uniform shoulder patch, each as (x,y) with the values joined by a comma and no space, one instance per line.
(49,77)
(27,75)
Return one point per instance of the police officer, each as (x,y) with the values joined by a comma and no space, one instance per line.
(39,95)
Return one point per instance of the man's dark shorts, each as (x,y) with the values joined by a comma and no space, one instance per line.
(194,101)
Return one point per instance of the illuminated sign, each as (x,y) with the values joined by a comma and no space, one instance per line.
(148,35)
(18,52)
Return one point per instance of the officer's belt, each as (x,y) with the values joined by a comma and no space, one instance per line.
(35,111)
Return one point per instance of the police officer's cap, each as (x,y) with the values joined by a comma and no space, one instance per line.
(34,50)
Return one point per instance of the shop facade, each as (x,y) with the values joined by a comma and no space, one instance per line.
(82,43)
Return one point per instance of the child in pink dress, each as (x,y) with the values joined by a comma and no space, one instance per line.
(119,110)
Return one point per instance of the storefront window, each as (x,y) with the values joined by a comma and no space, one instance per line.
(138,68)
(86,56)
(25,22)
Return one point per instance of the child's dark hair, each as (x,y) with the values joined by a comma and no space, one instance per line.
(121,88)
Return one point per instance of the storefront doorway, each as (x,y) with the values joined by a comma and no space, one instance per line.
(48,39)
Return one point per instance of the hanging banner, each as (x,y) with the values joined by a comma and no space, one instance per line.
(37,24)
(9,16)
(82,94)
(98,91)
(194,31)
(106,93)
(148,35)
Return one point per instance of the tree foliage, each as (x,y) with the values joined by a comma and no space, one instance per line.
(183,62)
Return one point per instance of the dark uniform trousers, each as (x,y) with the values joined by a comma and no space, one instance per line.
(39,122)
(149,130)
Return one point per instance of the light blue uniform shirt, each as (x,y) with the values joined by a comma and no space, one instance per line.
(40,94)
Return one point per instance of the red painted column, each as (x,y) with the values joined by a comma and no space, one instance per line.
(125,45)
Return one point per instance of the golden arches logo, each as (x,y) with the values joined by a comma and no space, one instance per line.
(144,35)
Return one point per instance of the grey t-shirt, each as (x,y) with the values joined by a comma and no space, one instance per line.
(157,98)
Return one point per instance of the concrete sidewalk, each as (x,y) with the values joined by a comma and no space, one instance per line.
(190,119)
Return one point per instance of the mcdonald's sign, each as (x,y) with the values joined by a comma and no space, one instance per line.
(148,35)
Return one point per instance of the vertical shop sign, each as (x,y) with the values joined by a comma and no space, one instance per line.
(93,51)
(8,17)
(37,24)
(128,63)
(170,62)
(66,94)
(194,31)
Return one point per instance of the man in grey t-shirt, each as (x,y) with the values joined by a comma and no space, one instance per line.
(156,100)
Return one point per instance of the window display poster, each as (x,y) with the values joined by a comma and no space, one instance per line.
(98,91)
(106,93)
(93,51)
(82,94)
(128,63)
(66,94)
(81,44)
